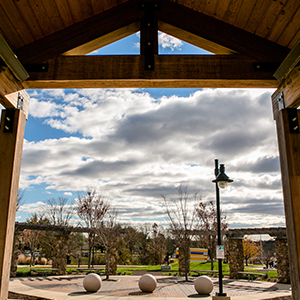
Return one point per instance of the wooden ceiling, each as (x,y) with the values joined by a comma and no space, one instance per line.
(249,37)
(23,22)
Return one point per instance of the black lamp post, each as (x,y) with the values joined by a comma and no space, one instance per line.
(221,182)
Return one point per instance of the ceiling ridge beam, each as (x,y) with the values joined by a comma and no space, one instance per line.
(125,71)
(220,32)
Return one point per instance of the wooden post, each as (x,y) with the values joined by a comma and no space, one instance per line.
(149,35)
(11,146)
(289,149)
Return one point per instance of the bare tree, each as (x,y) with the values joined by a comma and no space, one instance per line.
(181,217)
(31,238)
(206,212)
(16,240)
(108,233)
(157,246)
(91,209)
(59,211)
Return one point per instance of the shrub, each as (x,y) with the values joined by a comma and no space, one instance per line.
(27,260)
(21,259)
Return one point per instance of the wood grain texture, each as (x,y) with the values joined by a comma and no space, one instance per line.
(80,33)
(289,148)
(290,87)
(221,33)
(170,71)
(193,39)
(10,165)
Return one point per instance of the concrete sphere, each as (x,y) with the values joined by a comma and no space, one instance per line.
(203,285)
(147,283)
(92,282)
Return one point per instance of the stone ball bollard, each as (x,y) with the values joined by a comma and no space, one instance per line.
(203,285)
(147,283)
(92,282)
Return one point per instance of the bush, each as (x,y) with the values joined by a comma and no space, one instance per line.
(43,261)
(27,260)
(99,260)
(21,259)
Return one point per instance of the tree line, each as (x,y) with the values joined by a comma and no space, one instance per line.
(143,244)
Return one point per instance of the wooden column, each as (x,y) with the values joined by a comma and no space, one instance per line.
(289,149)
(149,35)
(11,146)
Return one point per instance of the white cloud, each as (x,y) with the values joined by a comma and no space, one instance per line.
(168,41)
(165,41)
(68,194)
(136,148)
(31,208)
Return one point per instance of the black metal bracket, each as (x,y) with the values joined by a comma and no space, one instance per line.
(20,103)
(9,120)
(293,120)
(36,67)
(265,67)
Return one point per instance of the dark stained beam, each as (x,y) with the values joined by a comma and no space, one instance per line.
(149,34)
(220,32)
(81,33)
(207,71)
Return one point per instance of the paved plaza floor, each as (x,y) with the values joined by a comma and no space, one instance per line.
(126,288)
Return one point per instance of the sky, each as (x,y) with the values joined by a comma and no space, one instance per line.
(134,145)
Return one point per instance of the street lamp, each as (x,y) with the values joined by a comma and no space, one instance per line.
(221,182)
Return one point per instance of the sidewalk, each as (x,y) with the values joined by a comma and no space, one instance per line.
(126,287)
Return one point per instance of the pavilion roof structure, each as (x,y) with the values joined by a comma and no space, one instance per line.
(253,44)
(250,39)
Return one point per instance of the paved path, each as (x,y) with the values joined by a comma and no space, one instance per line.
(126,288)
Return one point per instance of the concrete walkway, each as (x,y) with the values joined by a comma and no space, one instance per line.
(126,288)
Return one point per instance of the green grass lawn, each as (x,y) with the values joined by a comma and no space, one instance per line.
(25,271)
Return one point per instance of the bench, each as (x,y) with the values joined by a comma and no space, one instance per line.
(204,271)
(253,275)
(165,267)
(90,269)
(44,272)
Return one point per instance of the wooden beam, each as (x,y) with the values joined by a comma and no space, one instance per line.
(290,88)
(11,146)
(221,33)
(149,35)
(10,90)
(207,71)
(289,149)
(105,40)
(81,33)
(289,63)
(193,39)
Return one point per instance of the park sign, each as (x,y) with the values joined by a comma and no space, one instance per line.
(220,252)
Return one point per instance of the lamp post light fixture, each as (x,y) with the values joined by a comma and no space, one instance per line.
(221,181)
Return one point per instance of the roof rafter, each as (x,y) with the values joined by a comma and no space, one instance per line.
(182,22)
(193,39)
(220,33)
(125,71)
(101,25)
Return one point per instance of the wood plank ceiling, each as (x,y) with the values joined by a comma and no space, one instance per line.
(40,31)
